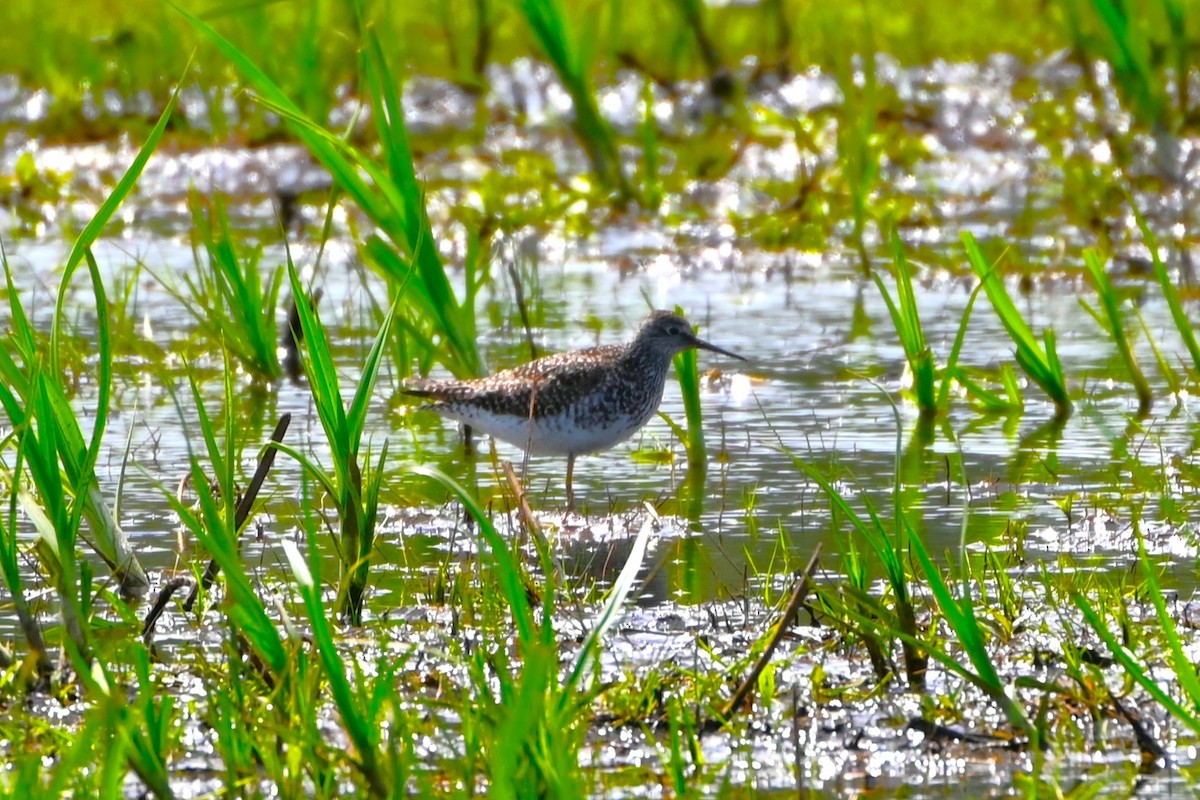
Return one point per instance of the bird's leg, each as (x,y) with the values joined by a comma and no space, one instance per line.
(570,491)
(466,431)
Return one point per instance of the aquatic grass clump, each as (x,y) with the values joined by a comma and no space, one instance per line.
(213,523)
(276,666)
(359,715)
(231,298)
(440,323)
(858,148)
(1149,49)
(907,321)
(961,617)
(1009,401)
(875,622)
(49,438)
(933,397)
(122,728)
(282,739)
(688,374)
(1040,363)
(527,722)
(390,195)
(14,581)
(891,549)
(1139,671)
(355,495)
(1170,293)
(56,513)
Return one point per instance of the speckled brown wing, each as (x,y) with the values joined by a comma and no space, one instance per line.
(557,382)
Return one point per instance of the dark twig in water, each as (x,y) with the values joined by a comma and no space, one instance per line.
(1152,751)
(160,604)
(265,462)
(799,593)
(935,733)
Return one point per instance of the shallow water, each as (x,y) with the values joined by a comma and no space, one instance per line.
(813,388)
(824,364)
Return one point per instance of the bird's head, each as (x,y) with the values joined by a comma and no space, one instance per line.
(667,333)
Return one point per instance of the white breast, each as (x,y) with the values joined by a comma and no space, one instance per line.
(554,436)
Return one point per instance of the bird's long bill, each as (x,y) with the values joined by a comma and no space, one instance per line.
(708,346)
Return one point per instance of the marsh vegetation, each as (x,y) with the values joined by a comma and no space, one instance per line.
(933,538)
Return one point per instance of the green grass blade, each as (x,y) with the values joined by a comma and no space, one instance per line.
(688,374)
(1114,326)
(1040,364)
(1181,663)
(316,139)
(1170,292)
(547,21)
(96,225)
(363,736)
(321,372)
(1174,383)
(1133,668)
(508,571)
(952,370)
(357,413)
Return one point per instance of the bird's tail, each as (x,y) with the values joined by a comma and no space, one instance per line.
(417,390)
(431,391)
